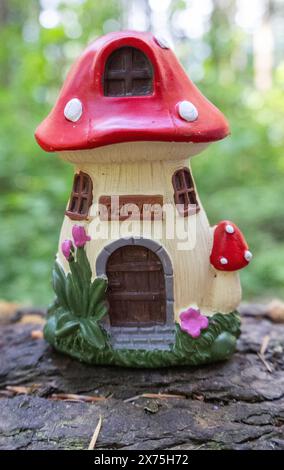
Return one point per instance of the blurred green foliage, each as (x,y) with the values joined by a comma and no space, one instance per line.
(240,178)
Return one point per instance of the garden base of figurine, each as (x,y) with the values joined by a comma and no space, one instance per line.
(215,343)
(76,318)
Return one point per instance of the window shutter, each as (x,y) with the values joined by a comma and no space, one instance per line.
(184,192)
(81,197)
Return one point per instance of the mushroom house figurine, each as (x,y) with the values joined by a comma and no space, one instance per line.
(140,278)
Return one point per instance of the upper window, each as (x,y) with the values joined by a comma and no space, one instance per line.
(184,192)
(81,197)
(128,72)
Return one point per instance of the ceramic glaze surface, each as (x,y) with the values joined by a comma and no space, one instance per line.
(130,289)
(108,120)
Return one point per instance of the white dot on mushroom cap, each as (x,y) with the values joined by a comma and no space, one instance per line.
(248,255)
(229,228)
(162,42)
(73,110)
(187,111)
(223,260)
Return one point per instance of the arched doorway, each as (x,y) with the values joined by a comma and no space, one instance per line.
(140,294)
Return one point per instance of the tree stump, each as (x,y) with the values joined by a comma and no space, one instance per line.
(233,405)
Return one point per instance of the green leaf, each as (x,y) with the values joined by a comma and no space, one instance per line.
(60,271)
(81,274)
(49,329)
(84,264)
(53,307)
(63,318)
(85,300)
(67,329)
(101,310)
(77,274)
(92,333)
(97,293)
(59,286)
(73,295)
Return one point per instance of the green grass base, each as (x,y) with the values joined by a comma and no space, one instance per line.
(216,343)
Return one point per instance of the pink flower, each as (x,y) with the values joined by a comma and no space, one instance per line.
(192,322)
(67,248)
(80,236)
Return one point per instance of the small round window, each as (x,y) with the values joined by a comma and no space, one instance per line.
(128,72)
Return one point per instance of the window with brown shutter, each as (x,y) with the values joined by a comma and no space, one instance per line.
(81,197)
(128,72)
(184,192)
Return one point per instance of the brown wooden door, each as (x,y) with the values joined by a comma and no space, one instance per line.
(136,291)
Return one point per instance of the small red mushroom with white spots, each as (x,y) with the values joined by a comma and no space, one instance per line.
(230,251)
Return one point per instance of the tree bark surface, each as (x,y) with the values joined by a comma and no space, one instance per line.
(233,405)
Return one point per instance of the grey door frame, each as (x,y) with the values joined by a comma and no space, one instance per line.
(143,332)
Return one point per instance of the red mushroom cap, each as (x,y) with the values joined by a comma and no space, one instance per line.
(230,250)
(103,120)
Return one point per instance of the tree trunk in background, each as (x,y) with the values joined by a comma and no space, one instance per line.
(263,48)
(3,12)
(160,21)
(136,15)
(220,24)
(3,64)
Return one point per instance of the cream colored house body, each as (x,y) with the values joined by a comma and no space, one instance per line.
(114,170)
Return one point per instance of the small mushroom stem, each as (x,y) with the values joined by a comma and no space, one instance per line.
(224,292)
(223,289)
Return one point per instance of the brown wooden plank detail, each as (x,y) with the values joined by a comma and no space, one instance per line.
(147,296)
(138,207)
(139,266)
